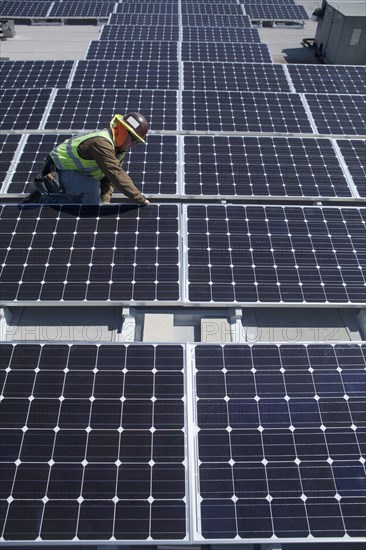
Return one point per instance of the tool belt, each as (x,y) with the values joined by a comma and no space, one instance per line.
(48,180)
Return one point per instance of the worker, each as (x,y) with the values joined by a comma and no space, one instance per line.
(87,168)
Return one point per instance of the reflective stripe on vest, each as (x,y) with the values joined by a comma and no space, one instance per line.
(66,157)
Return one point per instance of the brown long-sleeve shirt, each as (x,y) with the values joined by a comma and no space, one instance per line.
(103,153)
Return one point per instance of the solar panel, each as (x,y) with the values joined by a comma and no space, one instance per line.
(36,148)
(35,74)
(280,442)
(153,167)
(275,254)
(141,19)
(126,74)
(264,166)
(23,109)
(329,79)
(201,20)
(8,146)
(354,154)
(18,10)
(246,2)
(235,77)
(220,34)
(81,9)
(146,32)
(74,253)
(212,9)
(227,2)
(244,112)
(94,439)
(156,7)
(338,114)
(273,11)
(87,109)
(226,51)
(145,50)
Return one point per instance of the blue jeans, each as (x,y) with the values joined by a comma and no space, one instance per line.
(80,188)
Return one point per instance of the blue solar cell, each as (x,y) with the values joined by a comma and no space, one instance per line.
(23,109)
(145,50)
(145,32)
(225,51)
(276,254)
(35,74)
(259,465)
(202,20)
(329,79)
(237,77)
(277,12)
(111,468)
(90,253)
(255,166)
(220,34)
(126,74)
(82,9)
(244,112)
(87,109)
(338,114)
(21,9)
(354,154)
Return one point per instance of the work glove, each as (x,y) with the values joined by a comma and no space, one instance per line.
(143,201)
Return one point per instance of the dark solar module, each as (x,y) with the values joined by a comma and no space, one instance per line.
(220,34)
(212,9)
(8,146)
(87,109)
(328,79)
(31,160)
(236,77)
(23,109)
(276,2)
(90,253)
(273,11)
(81,9)
(144,7)
(106,459)
(280,450)
(222,111)
(201,20)
(354,154)
(35,74)
(24,9)
(142,19)
(338,114)
(145,32)
(262,166)
(154,167)
(126,74)
(276,254)
(226,51)
(145,50)
(226,2)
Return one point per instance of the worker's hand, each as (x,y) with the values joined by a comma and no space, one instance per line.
(144,201)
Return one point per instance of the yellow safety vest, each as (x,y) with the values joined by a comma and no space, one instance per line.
(66,156)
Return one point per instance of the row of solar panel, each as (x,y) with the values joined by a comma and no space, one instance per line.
(169,32)
(104,9)
(204,254)
(259,112)
(167,12)
(213,165)
(95,442)
(197,75)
